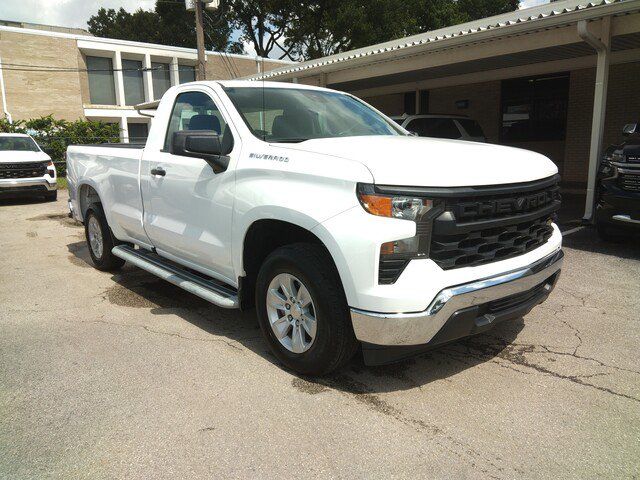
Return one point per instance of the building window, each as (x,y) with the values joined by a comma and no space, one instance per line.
(535,108)
(138,132)
(161,79)
(187,73)
(102,90)
(133,84)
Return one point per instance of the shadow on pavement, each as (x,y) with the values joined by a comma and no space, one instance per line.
(21,200)
(136,288)
(587,239)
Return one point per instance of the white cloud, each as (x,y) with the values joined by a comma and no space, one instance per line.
(66,13)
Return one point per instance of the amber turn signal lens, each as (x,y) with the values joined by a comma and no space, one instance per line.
(376,205)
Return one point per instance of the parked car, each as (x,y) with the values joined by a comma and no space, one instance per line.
(341,229)
(618,199)
(25,170)
(455,127)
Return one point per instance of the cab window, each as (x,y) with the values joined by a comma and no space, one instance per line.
(194,111)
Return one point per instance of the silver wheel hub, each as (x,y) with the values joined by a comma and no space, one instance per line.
(291,313)
(95,237)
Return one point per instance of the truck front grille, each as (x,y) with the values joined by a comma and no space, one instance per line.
(629,181)
(488,224)
(22,170)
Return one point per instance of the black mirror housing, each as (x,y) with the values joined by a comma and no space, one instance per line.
(630,129)
(204,144)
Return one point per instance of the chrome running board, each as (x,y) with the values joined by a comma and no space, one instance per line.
(210,290)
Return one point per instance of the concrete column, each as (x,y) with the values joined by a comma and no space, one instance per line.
(124,130)
(174,73)
(603,48)
(119,78)
(147,79)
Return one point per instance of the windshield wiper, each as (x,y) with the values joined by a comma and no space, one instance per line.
(289,140)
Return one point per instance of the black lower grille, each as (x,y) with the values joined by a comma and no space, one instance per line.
(629,181)
(490,244)
(390,269)
(22,170)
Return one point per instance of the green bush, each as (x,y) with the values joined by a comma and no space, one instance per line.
(54,136)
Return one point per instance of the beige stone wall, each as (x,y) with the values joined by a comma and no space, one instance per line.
(219,68)
(34,94)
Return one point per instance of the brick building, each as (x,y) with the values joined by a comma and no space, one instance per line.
(532,78)
(70,74)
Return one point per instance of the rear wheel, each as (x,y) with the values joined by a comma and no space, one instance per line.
(99,239)
(302,310)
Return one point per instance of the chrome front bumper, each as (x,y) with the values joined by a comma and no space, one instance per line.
(419,328)
(16,183)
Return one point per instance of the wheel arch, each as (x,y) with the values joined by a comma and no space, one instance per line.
(87,194)
(264,236)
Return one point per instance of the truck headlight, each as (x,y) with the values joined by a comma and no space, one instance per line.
(395,255)
(406,208)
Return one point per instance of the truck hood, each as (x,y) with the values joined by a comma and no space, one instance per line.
(431,162)
(12,156)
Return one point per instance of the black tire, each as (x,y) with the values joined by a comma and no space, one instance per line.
(107,261)
(334,344)
(51,196)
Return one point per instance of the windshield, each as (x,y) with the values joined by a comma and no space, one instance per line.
(19,144)
(296,115)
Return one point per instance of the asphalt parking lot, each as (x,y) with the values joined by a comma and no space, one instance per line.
(125,376)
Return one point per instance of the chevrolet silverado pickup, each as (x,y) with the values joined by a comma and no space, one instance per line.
(342,229)
(25,170)
(618,188)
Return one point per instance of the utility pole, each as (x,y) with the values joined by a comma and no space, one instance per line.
(201,73)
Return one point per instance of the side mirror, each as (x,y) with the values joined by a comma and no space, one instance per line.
(203,144)
(412,133)
(630,129)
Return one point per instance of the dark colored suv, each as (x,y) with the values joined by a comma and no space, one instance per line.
(618,187)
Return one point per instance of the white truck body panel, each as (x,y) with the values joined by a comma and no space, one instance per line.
(199,219)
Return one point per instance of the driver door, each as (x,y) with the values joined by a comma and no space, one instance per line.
(187,206)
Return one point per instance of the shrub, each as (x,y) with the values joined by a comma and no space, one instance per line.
(54,136)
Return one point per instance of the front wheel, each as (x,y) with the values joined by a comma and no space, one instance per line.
(302,310)
(99,239)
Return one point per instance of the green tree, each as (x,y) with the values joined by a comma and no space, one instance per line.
(318,28)
(168,24)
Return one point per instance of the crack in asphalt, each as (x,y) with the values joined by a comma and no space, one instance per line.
(516,354)
(359,391)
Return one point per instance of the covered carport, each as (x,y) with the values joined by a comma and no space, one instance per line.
(565,74)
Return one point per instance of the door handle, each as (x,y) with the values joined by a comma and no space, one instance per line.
(158,171)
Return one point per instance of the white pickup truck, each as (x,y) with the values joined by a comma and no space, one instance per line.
(337,225)
(25,170)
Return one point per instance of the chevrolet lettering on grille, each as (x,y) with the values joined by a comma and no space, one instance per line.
(504,206)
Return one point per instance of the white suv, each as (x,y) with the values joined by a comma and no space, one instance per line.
(454,127)
(25,170)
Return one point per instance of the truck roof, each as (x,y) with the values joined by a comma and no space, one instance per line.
(14,135)
(260,84)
